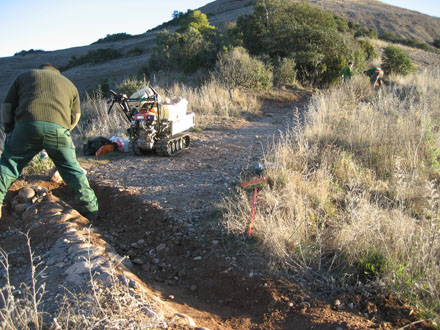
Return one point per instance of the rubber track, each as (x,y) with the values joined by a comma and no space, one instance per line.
(162,146)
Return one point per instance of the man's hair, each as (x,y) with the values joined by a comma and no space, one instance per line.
(47,65)
(350,63)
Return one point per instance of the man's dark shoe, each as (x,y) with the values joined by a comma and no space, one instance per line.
(92,216)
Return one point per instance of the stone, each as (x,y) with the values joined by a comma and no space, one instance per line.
(188,319)
(81,267)
(25,194)
(55,176)
(161,247)
(30,213)
(127,263)
(20,208)
(137,261)
(75,278)
(104,277)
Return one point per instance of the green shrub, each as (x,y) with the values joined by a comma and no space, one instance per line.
(436,43)
(94,57)
(285,72)
(305,33)
(38,166)
(372,264)
(29,52)
(397,61)
(193,47)
(363,31)
(114,37)
(341,23)
(134,52)
(177,16)
(368,48)
(197,20)
(130,86)
(236,68)
(414,43)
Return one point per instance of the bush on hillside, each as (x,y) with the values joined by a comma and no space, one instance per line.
(341,23)
(414,43)
(284,72)
(195,46)
(114,37)
(307,34)
(236,68)
(94,57)
(177,16)
(197,20)
(134,52)
(131,85)
(29,52)
(397,61)
(436,43)
(368,48)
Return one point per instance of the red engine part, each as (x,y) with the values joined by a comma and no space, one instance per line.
(150,116)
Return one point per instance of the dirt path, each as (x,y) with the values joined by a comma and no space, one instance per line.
(189,184)
(155,211)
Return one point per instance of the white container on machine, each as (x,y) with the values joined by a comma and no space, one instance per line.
(182,124)
(174,111)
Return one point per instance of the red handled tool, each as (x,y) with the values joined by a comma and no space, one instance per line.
(255,184)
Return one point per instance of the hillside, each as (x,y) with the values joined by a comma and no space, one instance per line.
(374,14)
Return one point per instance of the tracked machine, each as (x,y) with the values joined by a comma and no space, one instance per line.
(154,125)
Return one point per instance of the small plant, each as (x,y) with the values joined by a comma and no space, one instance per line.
(131,85)
(368,48)
(38,166)
(285,72)
(372,264)
(397,61)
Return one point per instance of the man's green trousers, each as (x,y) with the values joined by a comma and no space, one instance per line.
(29,138)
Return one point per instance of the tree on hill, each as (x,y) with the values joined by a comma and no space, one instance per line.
(397,61)
(194,45)
(307,34)
(197,20)
(236,68)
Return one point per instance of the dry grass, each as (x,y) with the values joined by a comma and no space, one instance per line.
(211,102)
(95,120)
(114,305)
(20,307)
(354,194)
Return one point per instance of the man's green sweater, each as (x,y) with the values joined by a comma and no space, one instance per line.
(41,95)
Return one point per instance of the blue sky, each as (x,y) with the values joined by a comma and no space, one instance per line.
(59,24)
